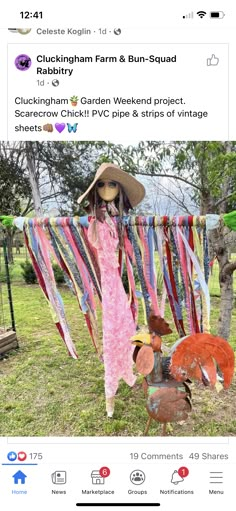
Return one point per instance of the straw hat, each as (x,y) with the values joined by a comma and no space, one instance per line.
(134,190)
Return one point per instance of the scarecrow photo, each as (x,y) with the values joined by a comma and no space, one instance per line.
(97,255)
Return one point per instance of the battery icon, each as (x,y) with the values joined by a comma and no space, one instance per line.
(217,14)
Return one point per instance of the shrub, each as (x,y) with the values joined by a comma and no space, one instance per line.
(28,272)
(125,278)
(30,276)
(58,273)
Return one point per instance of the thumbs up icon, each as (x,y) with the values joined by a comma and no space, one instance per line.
(213,61)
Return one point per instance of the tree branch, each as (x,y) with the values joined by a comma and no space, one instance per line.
(171,176)
(51,197)
(179,200)
(224,199)
(27,208)
(229,268)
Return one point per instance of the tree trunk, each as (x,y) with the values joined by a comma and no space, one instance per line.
(9,241)
(226,269)
(226,304)
(226,181)
(218,246)
(33,178)
(206,203)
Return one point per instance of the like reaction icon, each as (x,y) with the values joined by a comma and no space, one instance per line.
(213,61)
(12,456)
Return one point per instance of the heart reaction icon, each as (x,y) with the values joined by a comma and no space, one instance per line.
(22,456)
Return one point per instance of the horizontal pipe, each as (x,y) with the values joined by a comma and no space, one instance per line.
(154,221)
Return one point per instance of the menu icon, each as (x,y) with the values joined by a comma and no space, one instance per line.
(216,477)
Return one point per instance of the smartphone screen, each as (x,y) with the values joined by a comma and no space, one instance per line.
(117,255)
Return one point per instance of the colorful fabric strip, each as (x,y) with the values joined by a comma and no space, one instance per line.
(181,247)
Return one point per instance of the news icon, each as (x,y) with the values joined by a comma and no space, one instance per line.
(59,477)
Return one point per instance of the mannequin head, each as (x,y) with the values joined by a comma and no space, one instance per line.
(107,190)
(113,186)
(110,196)
(113,192)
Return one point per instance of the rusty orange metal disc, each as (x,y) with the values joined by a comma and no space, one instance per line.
(145,360)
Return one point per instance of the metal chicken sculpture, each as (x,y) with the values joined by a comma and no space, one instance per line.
(166,384)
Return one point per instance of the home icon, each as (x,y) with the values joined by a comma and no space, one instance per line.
(97,478)
(19,476)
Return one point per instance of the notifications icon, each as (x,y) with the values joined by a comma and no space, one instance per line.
(178,476)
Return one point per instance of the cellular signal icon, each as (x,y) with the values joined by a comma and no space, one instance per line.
(189,15)
(201,14)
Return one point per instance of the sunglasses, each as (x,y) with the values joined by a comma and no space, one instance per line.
(110,184)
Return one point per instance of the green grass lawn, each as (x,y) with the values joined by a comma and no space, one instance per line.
(44,392)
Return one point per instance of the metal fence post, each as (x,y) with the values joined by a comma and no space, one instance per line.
(9,284)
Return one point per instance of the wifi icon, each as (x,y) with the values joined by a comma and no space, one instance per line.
(201,14)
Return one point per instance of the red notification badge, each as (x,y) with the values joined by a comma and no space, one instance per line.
(183,471)
(104,472)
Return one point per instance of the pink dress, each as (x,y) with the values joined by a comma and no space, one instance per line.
(118,323)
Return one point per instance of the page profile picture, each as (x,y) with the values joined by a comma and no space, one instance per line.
(23,62)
